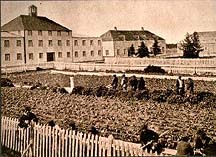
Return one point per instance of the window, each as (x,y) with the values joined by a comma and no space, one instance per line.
(75,42)
(92,53)
(83,42)
(59,43)
(76,54)
(59,54)
(68,43)
(40,55)
(40,33)
(18,43)
(84,53)
(91,42)
(125,51)
(6,43)
(7,57)
(40,43)
(118,52)
(162,49)
(99,53)
(19,32)
(68,54)
(68,33)
(99,42)
(30,43)
(107,52)
(50,43)
(49,33)
(58,33)
(30,56)
(29,32)
(19,56)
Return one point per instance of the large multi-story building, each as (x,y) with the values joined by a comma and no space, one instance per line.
(87,49)
(208,42)
(116,42)
(38,40)
(12,49)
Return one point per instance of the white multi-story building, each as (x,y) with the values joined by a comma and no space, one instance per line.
(116,42)
(42,40)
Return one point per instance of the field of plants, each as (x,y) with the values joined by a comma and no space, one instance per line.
(110,113)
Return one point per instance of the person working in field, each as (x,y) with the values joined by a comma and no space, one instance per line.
(180,86)
(141,84)
(133,83)
(147,138)
(184,148)
(114,83)
(124,82)
(190,85)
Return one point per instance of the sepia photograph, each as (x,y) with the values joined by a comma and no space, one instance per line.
(102,78)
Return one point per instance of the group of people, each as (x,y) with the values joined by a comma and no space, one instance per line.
(201,145)
(150,140)
(180,86)
(133,83)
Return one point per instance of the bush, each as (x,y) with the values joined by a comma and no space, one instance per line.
(202,96)
(154,69)
(5,82)
(88,91)
(100,91)
(175,99)
(78,90)
(140,95)
(161,95)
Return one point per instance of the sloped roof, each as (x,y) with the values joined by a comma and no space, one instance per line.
(33,23)
(128,35)
(209,33)
(9,35)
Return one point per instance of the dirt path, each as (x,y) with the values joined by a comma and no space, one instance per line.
(137,75)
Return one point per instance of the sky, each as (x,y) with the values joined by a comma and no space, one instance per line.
(170,19)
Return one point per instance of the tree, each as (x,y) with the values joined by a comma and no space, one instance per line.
(131,51)
(156,47)
(143,50)
(191,46)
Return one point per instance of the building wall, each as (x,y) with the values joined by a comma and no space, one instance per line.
(121,47)
(12,51)
(108,48)
(92,49)
(36,49)
(208,42)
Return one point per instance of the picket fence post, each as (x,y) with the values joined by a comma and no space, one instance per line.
(110,143)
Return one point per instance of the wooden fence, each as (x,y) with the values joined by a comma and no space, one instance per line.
(57,142)
(183,66)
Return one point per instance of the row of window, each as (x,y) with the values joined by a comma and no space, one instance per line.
(50,43)
(40,43)
(92,53)
(91,43)
(50,33)
(31,56)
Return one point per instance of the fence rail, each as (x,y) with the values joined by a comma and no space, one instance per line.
(57,142)
(174,66)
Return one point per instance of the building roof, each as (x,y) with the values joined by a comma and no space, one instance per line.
(128,35)
(26,22)
(5,34)
(209,33)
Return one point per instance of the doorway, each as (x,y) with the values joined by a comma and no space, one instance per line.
(50,56)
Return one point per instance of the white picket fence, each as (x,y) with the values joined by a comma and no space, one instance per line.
(57,142)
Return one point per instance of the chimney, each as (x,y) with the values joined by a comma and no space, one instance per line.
(142,28)
(32,10)
(115,28)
